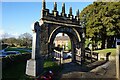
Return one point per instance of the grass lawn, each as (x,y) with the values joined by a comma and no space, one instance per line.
(104,51)
(17,71)
(15,49)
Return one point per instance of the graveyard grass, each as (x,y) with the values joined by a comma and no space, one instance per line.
(16,49)
(17,71)
(104,51)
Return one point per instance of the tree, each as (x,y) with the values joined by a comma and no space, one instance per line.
(102,21)
(5,35)
(25,39)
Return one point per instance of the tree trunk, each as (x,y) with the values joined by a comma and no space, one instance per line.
(106,43)
(92,45)
(103,41)
(110,42)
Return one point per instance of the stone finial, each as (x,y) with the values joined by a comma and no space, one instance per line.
(55,6)
(63,7)
(70,11)
(43,4)
(63,10)
(55,12)
(77,13)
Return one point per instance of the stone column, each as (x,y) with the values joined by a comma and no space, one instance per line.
(55,12)
(44,11)
(83,48)
(63,10)
(118,61)
(77,15)
(73,51)
(34,66)
(78,55)
(70,13)
(61,57)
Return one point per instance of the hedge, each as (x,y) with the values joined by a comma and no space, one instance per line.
(13,59)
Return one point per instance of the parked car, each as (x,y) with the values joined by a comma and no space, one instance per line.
(4,54)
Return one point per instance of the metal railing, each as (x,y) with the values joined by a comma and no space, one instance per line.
(58,55)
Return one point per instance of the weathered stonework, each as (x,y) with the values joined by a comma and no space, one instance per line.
(49,26)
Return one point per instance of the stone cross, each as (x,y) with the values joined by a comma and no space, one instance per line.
(34,66)
(36,40)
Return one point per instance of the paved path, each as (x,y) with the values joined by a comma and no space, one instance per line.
(72,70)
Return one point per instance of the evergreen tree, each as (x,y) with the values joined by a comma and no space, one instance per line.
(102,21)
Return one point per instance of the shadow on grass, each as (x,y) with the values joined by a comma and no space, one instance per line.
(17,70)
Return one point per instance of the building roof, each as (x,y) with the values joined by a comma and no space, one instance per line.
(62,38)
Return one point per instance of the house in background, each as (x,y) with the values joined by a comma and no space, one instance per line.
(63,41)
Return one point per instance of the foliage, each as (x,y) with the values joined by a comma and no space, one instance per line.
(4,46)
(69,45)
(102,20)
(23,40)
(13,59)
(17,70)
(51,65)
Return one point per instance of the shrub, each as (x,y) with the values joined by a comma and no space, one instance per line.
(4,46)
(12,59)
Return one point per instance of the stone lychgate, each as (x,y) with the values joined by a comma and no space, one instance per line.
(45,31)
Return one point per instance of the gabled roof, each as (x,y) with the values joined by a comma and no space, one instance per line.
(62,38)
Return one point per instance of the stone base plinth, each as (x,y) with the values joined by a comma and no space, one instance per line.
(34,67)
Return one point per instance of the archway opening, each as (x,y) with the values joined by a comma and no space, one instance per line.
(74,39)
(62,42)
(63,46)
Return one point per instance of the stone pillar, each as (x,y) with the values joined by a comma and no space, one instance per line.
(78,55)
(83,48)
(118,61)
(44,11)
(61,57)
(77,15)
(70,13)
(34,66)
(63,10)
(55,12)
(43,4)
(73,52)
